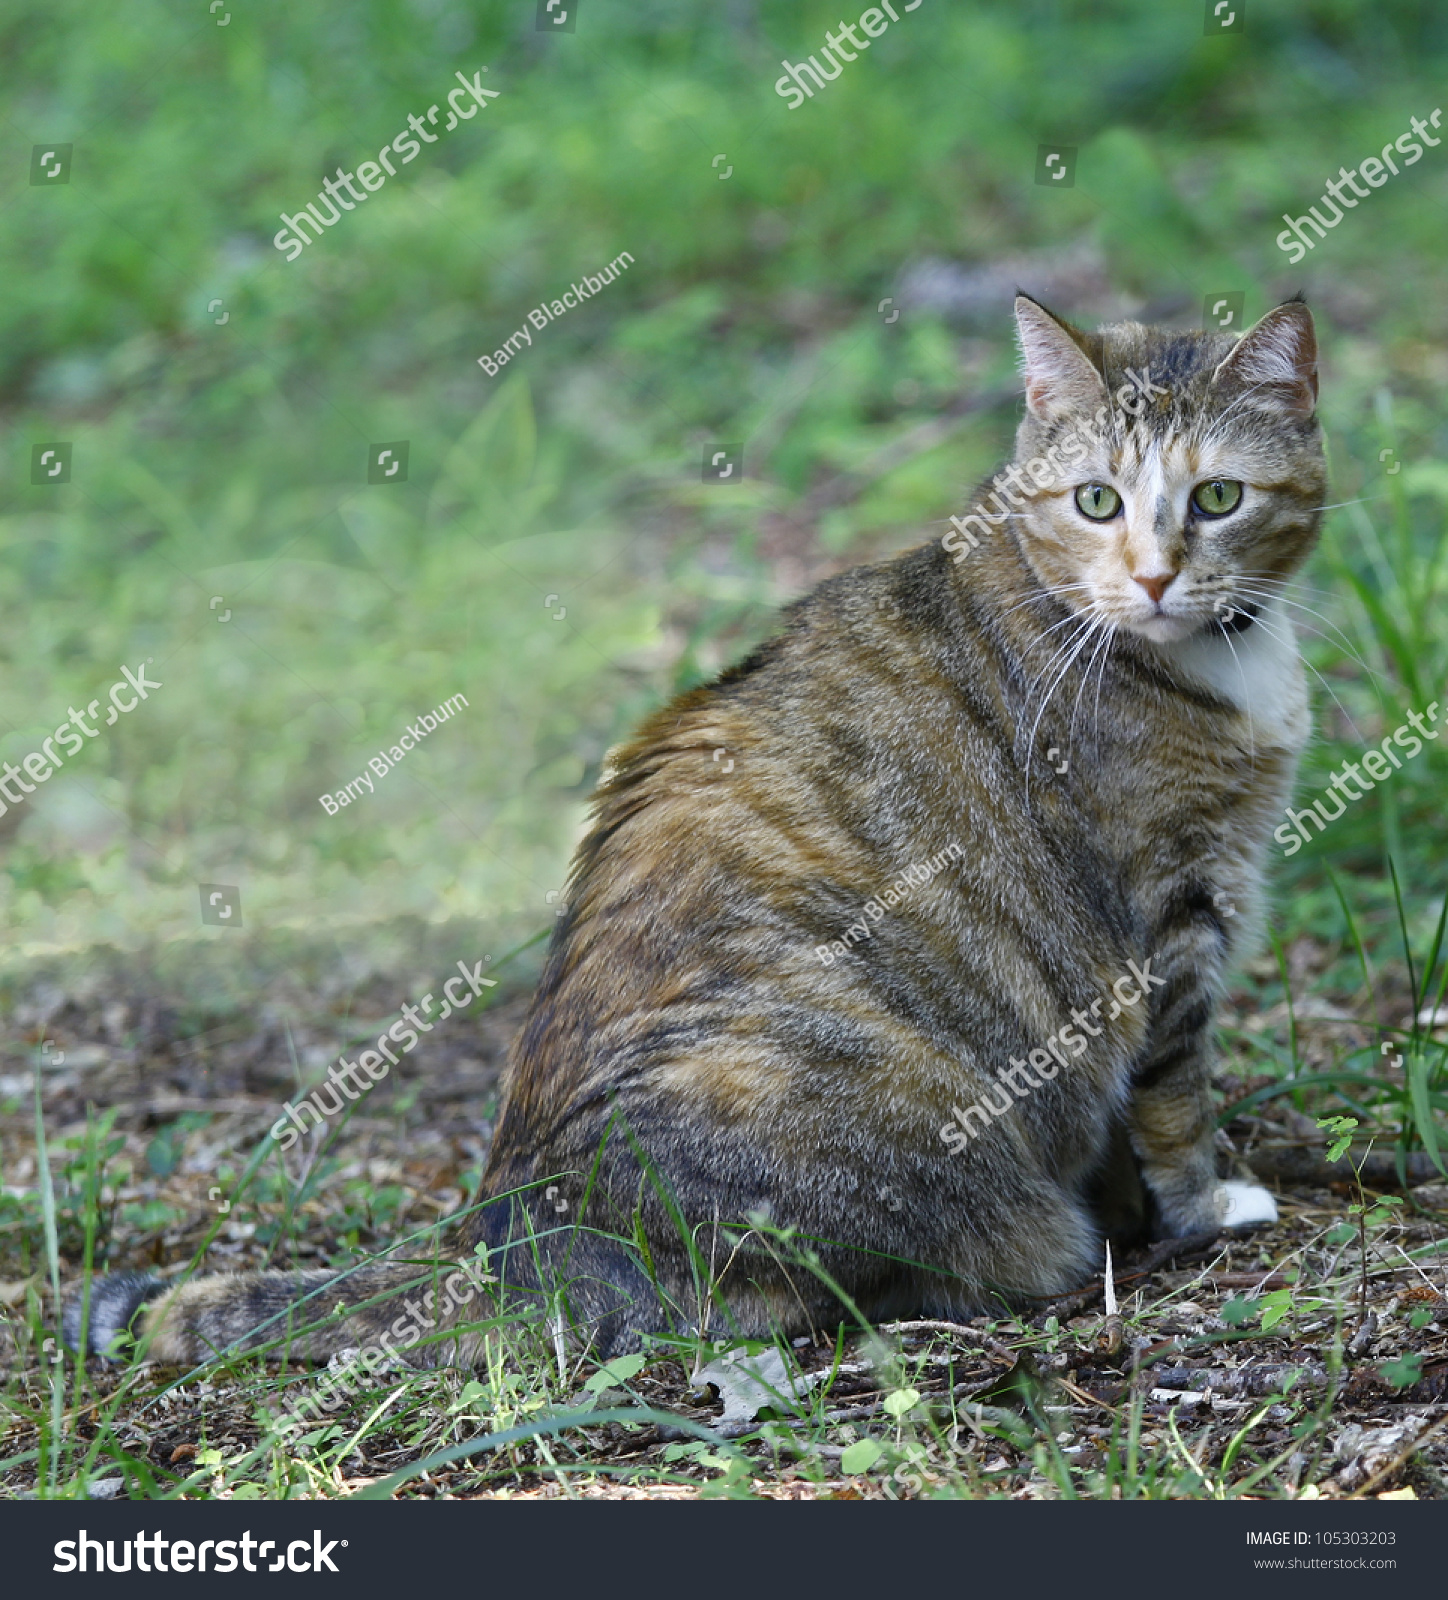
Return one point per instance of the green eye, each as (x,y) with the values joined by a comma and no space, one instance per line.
(1098,501)
(1217,497)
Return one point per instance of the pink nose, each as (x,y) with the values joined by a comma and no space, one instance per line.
(1157,586)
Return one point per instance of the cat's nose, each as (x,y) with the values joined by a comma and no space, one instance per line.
(1156,585)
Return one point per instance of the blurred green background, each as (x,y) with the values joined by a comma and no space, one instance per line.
(553,554)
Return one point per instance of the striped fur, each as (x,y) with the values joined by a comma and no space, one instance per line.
(1109,763)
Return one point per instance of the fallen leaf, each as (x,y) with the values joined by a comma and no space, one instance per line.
(749,1383)
(1367,1451)
(860,1457)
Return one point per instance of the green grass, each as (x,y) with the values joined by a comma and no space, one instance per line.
(229,460)
(1006,1406)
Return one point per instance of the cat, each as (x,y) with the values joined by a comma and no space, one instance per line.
(901,942)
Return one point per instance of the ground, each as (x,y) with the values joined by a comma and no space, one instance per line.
(1309,1357)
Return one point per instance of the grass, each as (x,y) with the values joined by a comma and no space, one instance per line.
(1062,1402)
(554,556)
(1074,1401)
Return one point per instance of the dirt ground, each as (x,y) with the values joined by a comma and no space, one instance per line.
(1263,1332)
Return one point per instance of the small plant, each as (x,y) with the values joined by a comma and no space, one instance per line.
(1273,1308)
(1405,1370)
(1340,1131)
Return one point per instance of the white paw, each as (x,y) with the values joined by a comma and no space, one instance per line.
(1241,1203)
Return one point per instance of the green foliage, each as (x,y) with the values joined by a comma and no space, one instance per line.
(619,1370)
(1341,1132)
(860,1456)
(228,459)
(1405,1369)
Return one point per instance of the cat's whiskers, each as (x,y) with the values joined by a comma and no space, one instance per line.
(1246,700)
(1075,616)
(1112,631)
(1070,617)
(1084,626)
(1056,592)
(1308,628)
(1337,505)
(1286,583)
(1105,654)
(1108,632)
(1045,635)
(1357,732)
(1341,641)
(1091,623)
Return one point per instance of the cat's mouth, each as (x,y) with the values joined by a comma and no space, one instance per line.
(1165,627)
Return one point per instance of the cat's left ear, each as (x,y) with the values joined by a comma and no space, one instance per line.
(1277,355)
(1060,376)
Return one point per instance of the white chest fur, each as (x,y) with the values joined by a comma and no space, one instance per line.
(1258,670)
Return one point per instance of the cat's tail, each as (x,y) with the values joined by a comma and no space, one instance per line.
(405,1311)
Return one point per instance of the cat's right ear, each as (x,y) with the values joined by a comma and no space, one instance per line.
(1060,377)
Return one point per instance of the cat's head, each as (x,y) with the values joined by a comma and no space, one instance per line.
(1167,482)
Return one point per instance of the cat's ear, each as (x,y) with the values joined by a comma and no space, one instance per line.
(1276,356)
(1060,376)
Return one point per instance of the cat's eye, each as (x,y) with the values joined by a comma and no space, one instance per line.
(1099,501)
(1217,497)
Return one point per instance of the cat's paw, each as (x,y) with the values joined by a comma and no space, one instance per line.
(1241,1204)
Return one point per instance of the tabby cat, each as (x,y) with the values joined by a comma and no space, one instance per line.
(905,936)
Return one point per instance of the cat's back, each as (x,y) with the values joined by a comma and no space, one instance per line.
(869,750)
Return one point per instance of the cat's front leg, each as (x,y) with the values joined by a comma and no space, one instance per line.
(1171,1119)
